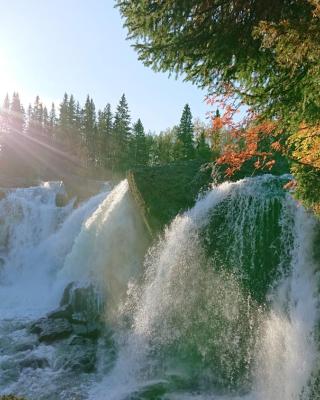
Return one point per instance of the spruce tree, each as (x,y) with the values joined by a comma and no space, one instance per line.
(121,136)
(140,154)
(89,130)
(105,125)
(4,115)
(185,146)
(17,115)
(203,151)
(52,121)
(46,121)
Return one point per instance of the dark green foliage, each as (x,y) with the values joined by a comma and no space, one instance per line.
(264,54)
(105,126)
(308,189)
(121,134)
(203,151)
(184,144)
(89,129)
(139,144)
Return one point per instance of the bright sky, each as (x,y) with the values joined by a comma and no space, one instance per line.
(49,47)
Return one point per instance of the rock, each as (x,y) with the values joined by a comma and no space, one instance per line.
(49,330)
(66,297)
(61,199)
(64,311)
(79,355)
(34,363)
(20,347)
(91,330)
(161,192)
(79,304)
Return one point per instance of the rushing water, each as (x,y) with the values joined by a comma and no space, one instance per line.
(224,305)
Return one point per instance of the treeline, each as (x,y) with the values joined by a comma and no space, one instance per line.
(103,138)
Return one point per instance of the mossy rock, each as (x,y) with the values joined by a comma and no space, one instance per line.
(11,397)
(161,192)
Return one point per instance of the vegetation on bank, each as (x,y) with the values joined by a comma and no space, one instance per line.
(255,56)
(10,397)
(161,192)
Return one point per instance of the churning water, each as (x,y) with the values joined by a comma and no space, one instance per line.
(223,305)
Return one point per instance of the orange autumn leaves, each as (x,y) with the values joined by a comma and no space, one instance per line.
(260,140)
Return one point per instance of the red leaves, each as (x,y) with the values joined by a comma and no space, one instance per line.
(244,139)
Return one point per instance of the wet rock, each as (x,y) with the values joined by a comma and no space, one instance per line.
(64,311)
(20,347)
(66,296)
(91,330)
(80,304)
(61,199)
(50,330)
(79,355)
(34,363)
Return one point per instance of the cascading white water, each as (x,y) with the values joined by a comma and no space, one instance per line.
(44,248)
(192,319)
(227,308)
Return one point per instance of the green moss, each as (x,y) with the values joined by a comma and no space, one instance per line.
(161,192)
(11,397)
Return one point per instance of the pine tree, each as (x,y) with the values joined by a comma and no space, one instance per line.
(203,151)
(4,115)
(52,121)
(121,136)
(63,122)
(104,128)
(17,115)
(46,121)
(140,155)
(185,146)
(89,130)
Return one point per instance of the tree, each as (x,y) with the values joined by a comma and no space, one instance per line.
(16,115)
(184,145)
(4,115)
(52,121)
(105,125)
(139,144)
(89,129)
(121,136)
(163,150)
(262,54)
(203,151)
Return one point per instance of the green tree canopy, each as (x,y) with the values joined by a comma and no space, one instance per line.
(265,51)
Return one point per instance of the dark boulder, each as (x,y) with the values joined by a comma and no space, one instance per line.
(50,330)
(61,199)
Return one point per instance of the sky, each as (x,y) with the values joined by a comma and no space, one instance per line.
(49,47)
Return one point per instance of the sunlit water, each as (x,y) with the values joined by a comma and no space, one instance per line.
(194,317)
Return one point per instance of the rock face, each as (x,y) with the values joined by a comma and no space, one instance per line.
(161,192)
(79,314)
(49,330)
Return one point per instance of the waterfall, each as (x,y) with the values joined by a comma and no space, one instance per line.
(198,329)
(223,305)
